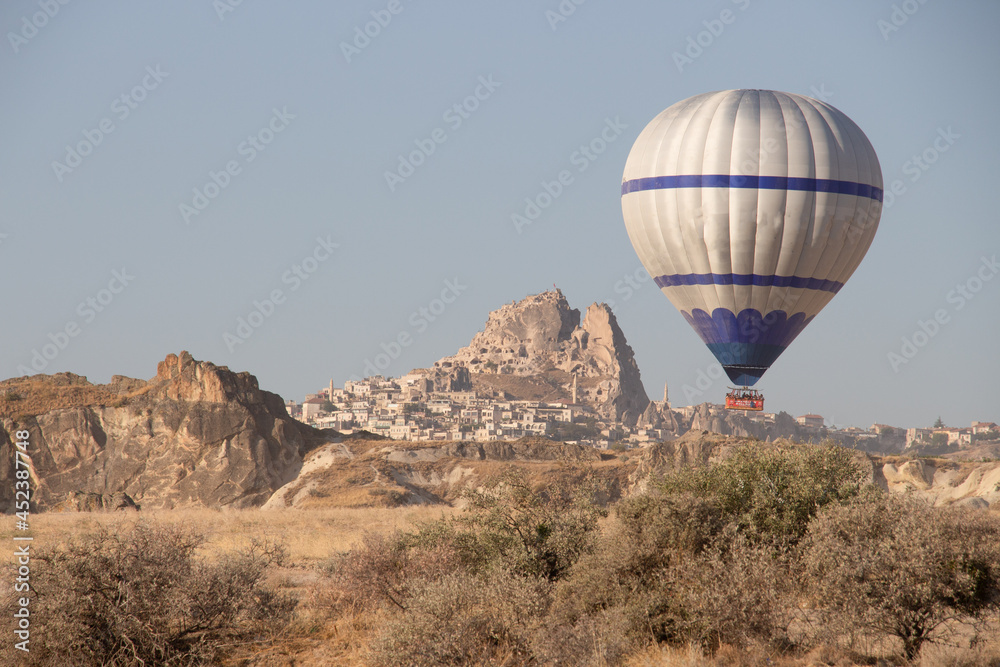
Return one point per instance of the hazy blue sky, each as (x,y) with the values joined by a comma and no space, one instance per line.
(287,121)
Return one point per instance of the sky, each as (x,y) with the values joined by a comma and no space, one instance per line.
(294,189)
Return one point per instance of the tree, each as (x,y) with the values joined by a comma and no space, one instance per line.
(939,439)
(897,566)
(939,423)
(327,406)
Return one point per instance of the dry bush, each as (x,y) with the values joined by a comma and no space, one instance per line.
(139,596)
(383,570)
(627,570)
(465,619)
(899,567)
(677,574)
(736,593)
(600,638)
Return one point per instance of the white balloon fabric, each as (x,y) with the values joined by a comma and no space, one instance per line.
(750,209)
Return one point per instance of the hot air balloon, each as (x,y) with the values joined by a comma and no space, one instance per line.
(751,209)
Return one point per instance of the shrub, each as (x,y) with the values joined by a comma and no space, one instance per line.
(668,569)
(771,494)
(383,570)
(649,536)
(507,524)
(896,566)
(465,619)
(140,597)
(735,593)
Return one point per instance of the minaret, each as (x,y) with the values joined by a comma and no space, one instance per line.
(666,396)
(330,395)
(574,388)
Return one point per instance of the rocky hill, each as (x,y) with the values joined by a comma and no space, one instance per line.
(534,349)
(379,472)
(195,434)
(367,472)
(939,481)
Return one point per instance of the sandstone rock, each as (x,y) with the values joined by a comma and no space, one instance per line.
(542,335)
(96,502)
(366,473)
(195,435)
(448,377)
(936,481)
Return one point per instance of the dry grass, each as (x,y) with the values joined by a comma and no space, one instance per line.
(310,535)
(20,397)
(693,656)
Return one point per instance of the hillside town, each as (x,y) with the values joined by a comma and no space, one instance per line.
(407,408)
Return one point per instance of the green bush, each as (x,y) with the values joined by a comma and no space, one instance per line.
(771,493)
(509,525)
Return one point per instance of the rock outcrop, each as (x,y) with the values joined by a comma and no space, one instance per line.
(937,481)
(352,472)
(196,434)
(542,336)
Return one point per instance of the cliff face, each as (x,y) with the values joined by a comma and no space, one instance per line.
(542,336)
(195,434)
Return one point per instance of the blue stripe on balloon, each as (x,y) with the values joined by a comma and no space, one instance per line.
(754,182)
(685,279)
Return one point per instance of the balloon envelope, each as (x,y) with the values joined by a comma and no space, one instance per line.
(750,209)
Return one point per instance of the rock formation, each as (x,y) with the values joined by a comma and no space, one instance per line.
(194,435)
(354,472)
(542,336)
(937,481)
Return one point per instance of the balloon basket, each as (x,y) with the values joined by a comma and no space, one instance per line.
(744,398)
